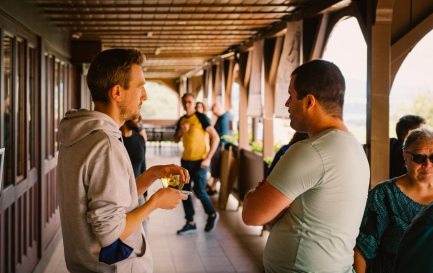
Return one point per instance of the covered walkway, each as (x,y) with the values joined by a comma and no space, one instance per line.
(231,247)
(207,46)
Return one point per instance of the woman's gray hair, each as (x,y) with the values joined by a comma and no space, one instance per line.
(419,134)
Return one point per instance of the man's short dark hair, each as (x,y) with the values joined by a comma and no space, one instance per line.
(324,81)
(188,95)
(406,123)
(109,68)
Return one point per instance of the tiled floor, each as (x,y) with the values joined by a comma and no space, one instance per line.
(231,247)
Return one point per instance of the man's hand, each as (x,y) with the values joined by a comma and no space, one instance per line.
(185,127)
(167,198)
(205,163)
(169,170)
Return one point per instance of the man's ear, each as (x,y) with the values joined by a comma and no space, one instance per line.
(311,101)
(115,93)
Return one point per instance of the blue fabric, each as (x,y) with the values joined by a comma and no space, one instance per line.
(277,157)
(199,181)
(116,252)
(387,216)
(222,126)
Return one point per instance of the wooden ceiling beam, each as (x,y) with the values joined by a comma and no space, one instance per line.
(74,12)
(167,69)
(167,56)
(68,5)
(191,47)
(174,30)
(237,37)
(209,44)
(122,24)
(308,11)
(173,52)
(167,32)
(180,22)
(163,41)
(169,50)
(182,66)
(166,75)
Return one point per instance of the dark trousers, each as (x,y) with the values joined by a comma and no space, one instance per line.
(198,183)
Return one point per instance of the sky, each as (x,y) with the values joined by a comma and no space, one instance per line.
(416,70)
(347,49)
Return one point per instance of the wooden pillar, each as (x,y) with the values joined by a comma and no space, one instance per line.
(378,86)
(320,37)
(194,84)
(229,79)
(272,53)
(255,103)
(188,87)
(207,83)
(218,83)
(182,90)
(244,75)
(215,83)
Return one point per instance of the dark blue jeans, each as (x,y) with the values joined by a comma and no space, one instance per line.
(198,183)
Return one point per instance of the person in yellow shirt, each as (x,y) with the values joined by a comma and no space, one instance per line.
(192,129)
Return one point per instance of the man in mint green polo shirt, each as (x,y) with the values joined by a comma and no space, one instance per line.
(319,188)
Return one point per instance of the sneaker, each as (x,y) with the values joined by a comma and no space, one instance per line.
(187,229)
(211,222)
(211,192)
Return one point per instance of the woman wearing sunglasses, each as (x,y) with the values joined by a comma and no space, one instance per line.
(393,204)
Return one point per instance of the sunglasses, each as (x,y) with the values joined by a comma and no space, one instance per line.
(421,158)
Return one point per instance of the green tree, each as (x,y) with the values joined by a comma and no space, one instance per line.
(423,106)
(420,104)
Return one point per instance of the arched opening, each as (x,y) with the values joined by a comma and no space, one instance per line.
(412,90)
(162,102)
(346,48)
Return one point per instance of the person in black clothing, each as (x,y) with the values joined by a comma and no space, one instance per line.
(415,252)
(404,125)
(135,143)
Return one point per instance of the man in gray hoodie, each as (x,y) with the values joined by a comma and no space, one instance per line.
(97,191)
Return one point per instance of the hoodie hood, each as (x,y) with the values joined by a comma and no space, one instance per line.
(78,124)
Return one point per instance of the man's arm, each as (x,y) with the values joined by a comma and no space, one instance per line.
(214,141)
(263,204)
(164,198)
(180,130)
(359,262)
